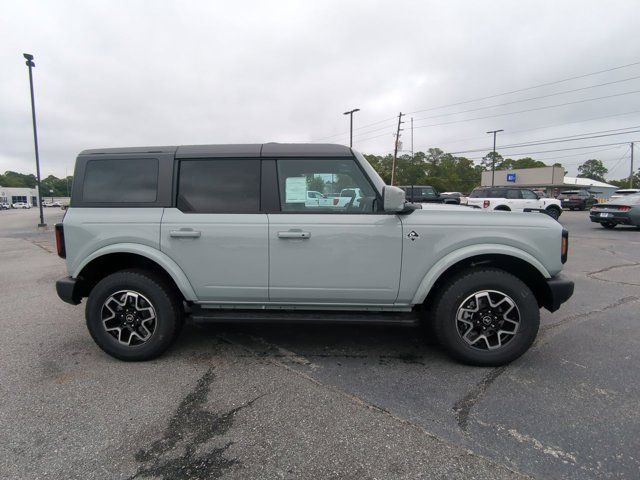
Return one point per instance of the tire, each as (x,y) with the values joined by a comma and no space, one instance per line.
(554,212)
(608,225)
(133,291)
(502,208)
(486,283)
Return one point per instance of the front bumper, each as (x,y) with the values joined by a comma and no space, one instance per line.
(68,291)
(559,290)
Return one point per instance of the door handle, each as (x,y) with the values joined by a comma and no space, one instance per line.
(294,234)
(185,233)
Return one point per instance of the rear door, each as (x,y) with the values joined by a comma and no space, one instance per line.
(336,254)
(216,232)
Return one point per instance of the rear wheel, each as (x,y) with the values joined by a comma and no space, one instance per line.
(133,316)
(486,317)
(554,212)
(608,225)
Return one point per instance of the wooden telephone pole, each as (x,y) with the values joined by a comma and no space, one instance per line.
(395,150)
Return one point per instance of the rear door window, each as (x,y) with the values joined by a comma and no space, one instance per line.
(219,186)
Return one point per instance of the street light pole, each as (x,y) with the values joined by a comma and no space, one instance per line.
(350,113)
(30,64)
(493,157)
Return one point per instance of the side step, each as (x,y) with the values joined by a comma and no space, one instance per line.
(203,315)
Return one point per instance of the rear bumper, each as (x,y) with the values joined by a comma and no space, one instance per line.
(616,217)
(67,289)
(559,290)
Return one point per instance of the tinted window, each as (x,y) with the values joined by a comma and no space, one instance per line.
(344,187)
(219,186)
(529,195)
(424,192)
(513,194)
(123,180)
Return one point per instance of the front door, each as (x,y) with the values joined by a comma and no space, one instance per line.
(216,233)
(339,253)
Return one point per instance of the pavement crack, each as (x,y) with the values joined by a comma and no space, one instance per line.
(593,276)
(577,316)
(188,431)
(462,407)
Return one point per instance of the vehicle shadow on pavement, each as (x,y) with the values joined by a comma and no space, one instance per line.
(312,343)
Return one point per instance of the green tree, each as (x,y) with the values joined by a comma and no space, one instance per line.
(593,169)
(315,183)
(487,161)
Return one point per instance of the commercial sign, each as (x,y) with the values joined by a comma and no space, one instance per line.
(511,177)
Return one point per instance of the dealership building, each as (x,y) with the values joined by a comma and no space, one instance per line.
(13,195)
(550,179)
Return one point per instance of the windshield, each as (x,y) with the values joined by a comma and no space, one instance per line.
(377,181)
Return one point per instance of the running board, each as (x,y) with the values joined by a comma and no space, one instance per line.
(202,315)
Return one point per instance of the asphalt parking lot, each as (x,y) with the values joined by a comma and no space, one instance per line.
(320,402)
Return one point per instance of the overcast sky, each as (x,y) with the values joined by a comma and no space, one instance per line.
(134,73)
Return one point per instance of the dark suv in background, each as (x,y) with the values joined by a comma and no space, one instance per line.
(427,194)
(577,199)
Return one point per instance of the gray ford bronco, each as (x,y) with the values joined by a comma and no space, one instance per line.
(228,233)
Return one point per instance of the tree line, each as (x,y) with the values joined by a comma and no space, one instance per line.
(61,186)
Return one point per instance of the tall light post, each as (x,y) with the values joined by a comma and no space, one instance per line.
(493,157)
(350,113)
(30,64)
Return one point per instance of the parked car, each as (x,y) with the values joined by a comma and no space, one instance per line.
(623,192)
(577,199)
(21,205)
(225,235)
(620,211)
(51,204)
(426,194)
(4,206)
(513,199)
(455,196)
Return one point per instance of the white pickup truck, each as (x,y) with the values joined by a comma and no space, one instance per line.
(513,199)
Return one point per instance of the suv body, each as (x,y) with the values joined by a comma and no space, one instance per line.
(427,194)
(224,233)
(513,199)
(577,199)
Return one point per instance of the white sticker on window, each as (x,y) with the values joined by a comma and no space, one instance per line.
(296,190)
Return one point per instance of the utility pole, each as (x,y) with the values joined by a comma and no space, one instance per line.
(30,64)
(395,150)
(631,172)
(350,113)
(493,157)
(411,138)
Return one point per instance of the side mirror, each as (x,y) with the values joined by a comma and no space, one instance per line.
(393,199)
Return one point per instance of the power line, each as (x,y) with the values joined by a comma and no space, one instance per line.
(528,99)
(585,136)
(567,149)
(515,132)
(530,109)
(488,97)
(527,88)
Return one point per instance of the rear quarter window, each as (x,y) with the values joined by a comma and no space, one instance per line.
(123,180)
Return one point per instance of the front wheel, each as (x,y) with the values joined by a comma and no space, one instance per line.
(486,317)
(132,315)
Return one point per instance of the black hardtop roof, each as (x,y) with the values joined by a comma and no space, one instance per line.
(235,150)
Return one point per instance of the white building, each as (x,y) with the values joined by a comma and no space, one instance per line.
(13,195)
